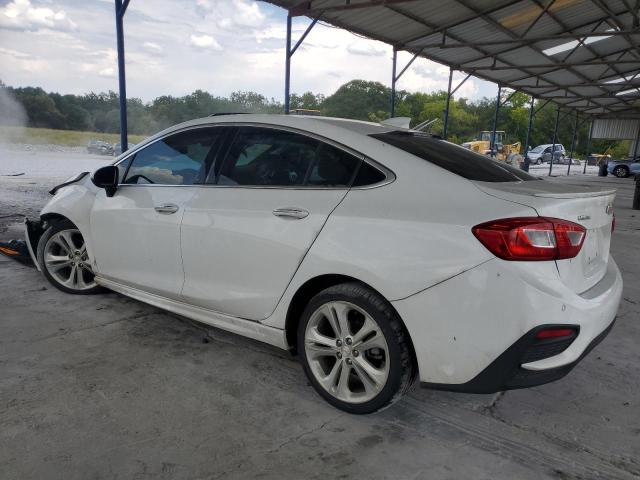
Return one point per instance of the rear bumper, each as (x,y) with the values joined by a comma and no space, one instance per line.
(473,332)
(506,372)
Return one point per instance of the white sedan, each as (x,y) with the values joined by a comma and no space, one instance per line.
(380,255)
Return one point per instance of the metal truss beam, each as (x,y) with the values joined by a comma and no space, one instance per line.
(523,42)
(307,8)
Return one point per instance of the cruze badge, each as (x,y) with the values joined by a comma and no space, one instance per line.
(584,217)
(609,209)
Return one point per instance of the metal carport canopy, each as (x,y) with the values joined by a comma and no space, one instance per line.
(581,54)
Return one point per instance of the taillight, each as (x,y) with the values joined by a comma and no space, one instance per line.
(531,238)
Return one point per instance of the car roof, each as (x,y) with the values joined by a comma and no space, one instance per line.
(304,122)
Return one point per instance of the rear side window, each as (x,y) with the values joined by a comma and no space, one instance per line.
(455,159)
(278,158)
(368,175)
(333,167)
(261,156)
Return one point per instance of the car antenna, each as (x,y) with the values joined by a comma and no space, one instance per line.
(421,126)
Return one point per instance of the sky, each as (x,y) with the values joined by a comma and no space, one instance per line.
(174,47)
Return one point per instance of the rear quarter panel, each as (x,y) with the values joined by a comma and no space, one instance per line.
(403,237)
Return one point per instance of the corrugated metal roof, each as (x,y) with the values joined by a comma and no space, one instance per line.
(615,129)
(508,42)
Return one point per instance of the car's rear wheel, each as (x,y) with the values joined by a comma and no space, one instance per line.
(621,172)
(64,261)
(354,349)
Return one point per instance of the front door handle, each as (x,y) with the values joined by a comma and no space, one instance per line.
(167,208)
(291,212)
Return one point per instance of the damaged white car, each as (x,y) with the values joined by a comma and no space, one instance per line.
(380,255)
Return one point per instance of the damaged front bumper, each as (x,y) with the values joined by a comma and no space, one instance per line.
(32,232)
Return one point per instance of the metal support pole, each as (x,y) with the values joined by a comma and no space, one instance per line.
(555,136)
(495,123)
(635,145)
(573,144)
(445,130)
(393,82)
(584,170)
(528,139)
(287,67)
(122,84)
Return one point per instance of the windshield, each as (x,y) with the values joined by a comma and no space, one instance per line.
(453,158)
(538,149)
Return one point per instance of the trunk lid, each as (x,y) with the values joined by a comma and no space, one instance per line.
(591,207)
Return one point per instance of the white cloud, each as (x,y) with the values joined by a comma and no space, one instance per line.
(153,48)
(246,37)
(205,41)
(366,48)
(22,62)
(107,72)
(231,14)
(248,14)
(20,14)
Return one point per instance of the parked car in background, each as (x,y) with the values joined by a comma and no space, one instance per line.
(99,147)
(542,153)
(117,148)
(348,243)
(624,168)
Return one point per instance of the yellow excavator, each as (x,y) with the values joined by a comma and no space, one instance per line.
(504,153)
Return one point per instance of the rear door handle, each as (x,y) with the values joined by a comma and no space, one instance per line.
(167,208)
(291,212)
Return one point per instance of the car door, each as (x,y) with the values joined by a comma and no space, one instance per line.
(245,234)
(136,233)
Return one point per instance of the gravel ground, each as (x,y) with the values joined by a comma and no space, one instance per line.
(105,387)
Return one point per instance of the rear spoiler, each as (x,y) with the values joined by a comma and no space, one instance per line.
(597,193)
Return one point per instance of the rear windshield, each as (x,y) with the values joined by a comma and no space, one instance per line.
(453,158)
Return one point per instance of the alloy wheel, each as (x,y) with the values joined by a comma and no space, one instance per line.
(67,261)
(347,352)
(620,172)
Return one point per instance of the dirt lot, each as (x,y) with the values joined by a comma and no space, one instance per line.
(105,387)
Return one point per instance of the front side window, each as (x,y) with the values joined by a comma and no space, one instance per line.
(278,158)
(179,159)
(122,168)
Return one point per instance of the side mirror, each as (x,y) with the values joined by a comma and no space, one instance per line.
(107,178)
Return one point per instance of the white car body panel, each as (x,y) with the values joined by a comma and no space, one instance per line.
(589,207)
(466,332)
(238,256)
(224,259)
(255,330)
(75,203)
(135,245)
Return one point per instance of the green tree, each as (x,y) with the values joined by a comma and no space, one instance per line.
(356,99)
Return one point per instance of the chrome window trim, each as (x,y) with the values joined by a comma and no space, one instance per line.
(389,174)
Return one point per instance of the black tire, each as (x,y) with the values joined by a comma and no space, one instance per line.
(621,172)
(402,363)
(54,228)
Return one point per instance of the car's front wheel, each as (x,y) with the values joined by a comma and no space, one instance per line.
(621,172)
(354,349)
(64,261)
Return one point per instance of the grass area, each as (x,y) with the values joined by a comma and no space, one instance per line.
(70,138)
